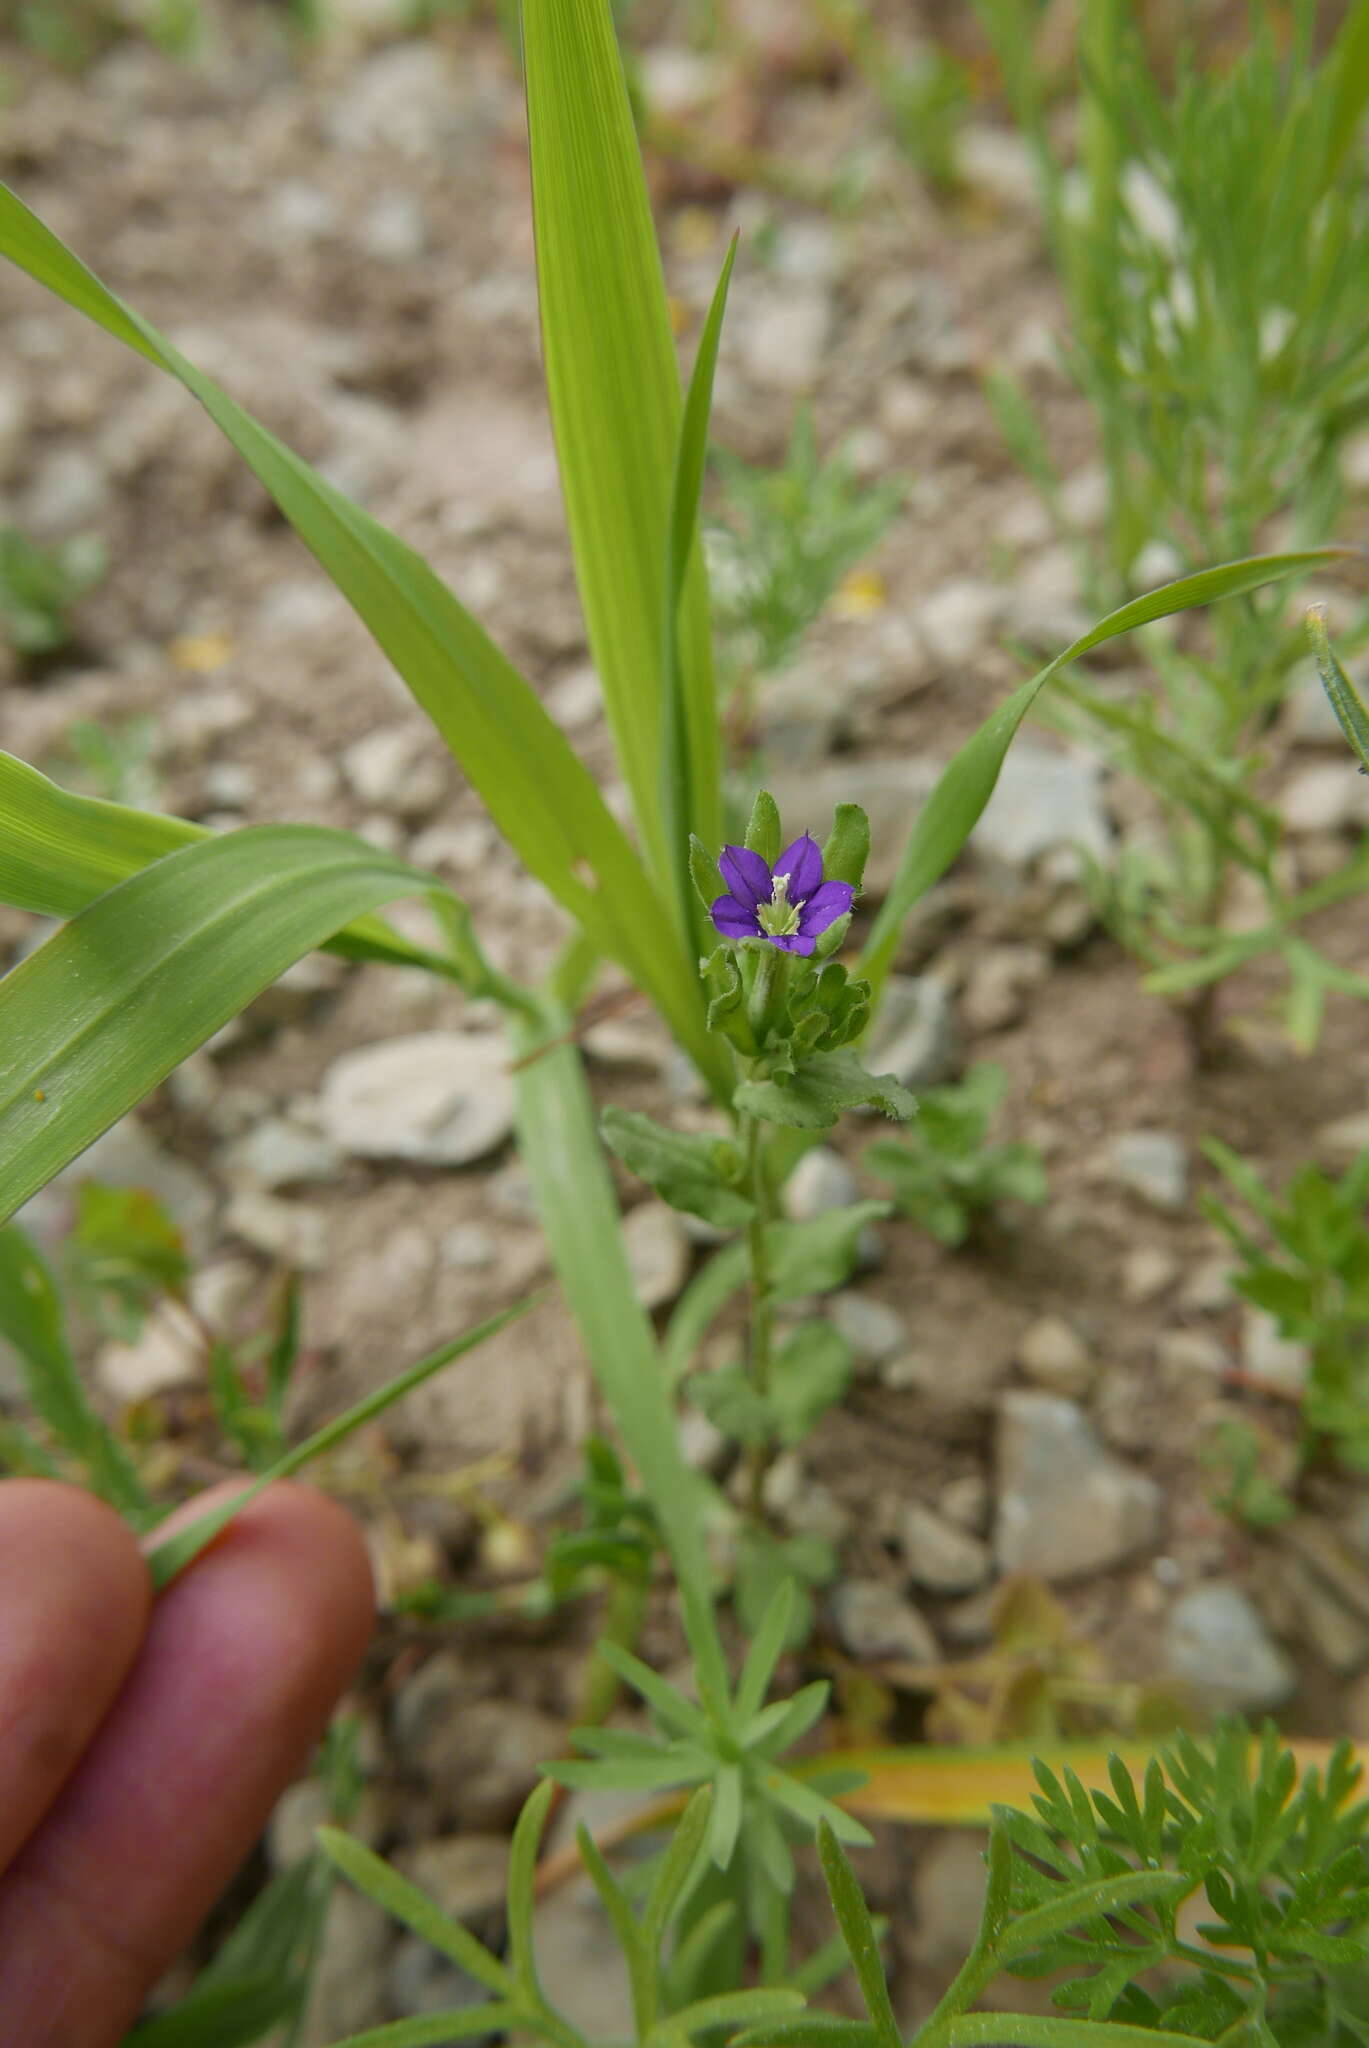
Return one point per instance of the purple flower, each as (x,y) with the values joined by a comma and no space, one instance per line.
(789,905)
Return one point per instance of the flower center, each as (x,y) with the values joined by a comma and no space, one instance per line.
(779,918)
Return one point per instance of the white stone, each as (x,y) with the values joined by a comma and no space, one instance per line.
(821,1182)
(1044,798)
(657,1253)
(1066,1507)
(1148,1271)
(939,1556)
(913,1036)
(784,338)
(285,1230)
(1151,1164)
(1341,1141)
(875,1331)
(1053,1356)
(957,619)
(874,1622)
(279,1153)
(1280,1363)
(168,1352)
(966,1501)
(1330,797)
(439,1098)
(1216,1642)
(998,162)
(397,768)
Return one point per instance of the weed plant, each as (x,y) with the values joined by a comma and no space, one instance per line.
(1211,237)
(783,540)
(167,931)
(40,587)
(945,1171)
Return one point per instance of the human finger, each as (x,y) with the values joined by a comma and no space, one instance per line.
(74,1601)
(243,1660)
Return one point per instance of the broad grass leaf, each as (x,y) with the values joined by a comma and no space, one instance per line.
(59,851)
(614,392)
(92,1021)
(537,790)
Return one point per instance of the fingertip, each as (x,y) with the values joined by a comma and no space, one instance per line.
(320,1558)
(66,1531)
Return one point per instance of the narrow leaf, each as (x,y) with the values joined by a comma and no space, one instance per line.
(32,1321)
(560,1147)
(1351,715)
(175,1552)
(673,1872)
(766,1650)
(413,1908)
(437,2029)
(954,807)
(1051,2030)
(858,1932)
(527,1835)
(689,778)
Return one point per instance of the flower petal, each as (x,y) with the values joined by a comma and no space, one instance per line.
(793,942)
(746,875)
(733,919)
(825,906)
(802,862)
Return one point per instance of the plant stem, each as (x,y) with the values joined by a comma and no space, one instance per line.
(762,1308)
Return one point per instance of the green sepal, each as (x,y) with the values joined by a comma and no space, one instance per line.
(848,846)
(691,1171)
(703,872)
(763,828)
(820,1089)
(726,992)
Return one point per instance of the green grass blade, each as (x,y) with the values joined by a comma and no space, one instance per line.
(537,790)
(689,782)
(58,852)
(614,392)
(522,1885)
(1347,68)
(221,2016)
(559,1142)
(953,809)
(93,1020)
(175,1552)
(33,1323)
